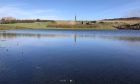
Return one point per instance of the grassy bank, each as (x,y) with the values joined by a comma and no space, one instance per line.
(69,24)
(82,26)
(45,25)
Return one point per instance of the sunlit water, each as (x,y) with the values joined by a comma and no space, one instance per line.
(69,57)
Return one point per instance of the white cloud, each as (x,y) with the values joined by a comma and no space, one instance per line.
(18,12)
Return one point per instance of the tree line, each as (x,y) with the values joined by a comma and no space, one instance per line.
(11,20)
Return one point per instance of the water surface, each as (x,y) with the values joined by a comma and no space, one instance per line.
(69,57)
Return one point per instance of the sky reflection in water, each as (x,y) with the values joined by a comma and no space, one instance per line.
(69,57)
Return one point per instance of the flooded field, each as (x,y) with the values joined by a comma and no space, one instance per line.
(69,57)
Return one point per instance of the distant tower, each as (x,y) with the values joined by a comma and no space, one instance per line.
(75,18)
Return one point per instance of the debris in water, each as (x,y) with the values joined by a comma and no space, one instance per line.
(71,81)
(63,80)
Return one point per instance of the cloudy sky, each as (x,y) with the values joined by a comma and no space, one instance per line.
(67,9)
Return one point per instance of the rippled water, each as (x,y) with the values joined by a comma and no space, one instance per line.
(69,57)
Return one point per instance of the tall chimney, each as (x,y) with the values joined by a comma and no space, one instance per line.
(75,18)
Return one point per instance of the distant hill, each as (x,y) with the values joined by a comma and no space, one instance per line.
(129,18)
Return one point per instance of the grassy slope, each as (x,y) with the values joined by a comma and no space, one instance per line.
(44,25)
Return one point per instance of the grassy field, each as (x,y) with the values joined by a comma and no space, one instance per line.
(69,24)
(82,26)
(36,25)
(45,25)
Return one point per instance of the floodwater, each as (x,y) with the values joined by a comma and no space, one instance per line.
(69,57)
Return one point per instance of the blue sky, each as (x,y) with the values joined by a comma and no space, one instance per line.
(66,9)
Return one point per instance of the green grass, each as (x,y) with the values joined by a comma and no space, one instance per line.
(44,25)
(27,25)
(82,26)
